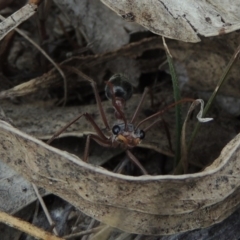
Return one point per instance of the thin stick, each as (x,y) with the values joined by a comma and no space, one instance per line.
(117,169)
(138,237)
(90,226)
(45,209)
(123,236)
(121,165)
(82,233)
(26,227)
(104,233)
(47,56)
(16,19)
(146,90)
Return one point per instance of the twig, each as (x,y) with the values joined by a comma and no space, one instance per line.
(45,209)
(90,226)
(138,237)
(16,19)
(49,79)
(26,227)
(123,236)
(82,233)
(104,233)
(47,56)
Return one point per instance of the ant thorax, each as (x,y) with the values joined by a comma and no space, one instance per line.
(127,134)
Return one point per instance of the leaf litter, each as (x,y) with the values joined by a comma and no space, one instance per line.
(41,121)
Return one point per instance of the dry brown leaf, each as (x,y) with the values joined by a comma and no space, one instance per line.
(186,20)
(100,26)
(153,204)
(95,62)
(43,121)
(206,61)
(16,192)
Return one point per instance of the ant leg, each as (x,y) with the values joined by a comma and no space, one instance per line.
(136,162)
(146,90)
(86,149)
(163,111)
(96,127)
(99,140)
(56,134)
(97,97)
(108,143)
(88,118)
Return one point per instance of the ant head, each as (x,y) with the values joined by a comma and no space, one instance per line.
(129,136)
(119,85)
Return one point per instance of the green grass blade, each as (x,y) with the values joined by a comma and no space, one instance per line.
(178,112)
(214,94)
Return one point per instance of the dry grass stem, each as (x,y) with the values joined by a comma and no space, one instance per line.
(26,227)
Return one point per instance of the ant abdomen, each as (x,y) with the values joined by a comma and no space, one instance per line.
(121,87)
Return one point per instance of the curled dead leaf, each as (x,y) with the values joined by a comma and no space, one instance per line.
(184,21)
(155,205)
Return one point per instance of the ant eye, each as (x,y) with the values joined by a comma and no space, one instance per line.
(121,87)
(142,134)
(116,129)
